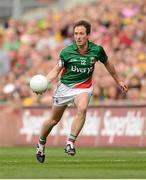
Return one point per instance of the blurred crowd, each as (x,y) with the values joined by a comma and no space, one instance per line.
(32,47)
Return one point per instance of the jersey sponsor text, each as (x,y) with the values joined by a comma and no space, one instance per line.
(81,70)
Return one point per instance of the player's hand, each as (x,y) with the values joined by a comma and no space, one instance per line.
(123,87)
(39,93)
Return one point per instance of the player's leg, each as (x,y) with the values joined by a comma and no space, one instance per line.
(81,102)
(56,114)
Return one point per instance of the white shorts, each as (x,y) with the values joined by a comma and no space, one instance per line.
(64,95)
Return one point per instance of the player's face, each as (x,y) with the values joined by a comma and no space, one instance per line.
(80,35)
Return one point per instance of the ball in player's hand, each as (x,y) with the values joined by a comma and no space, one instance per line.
(38,83)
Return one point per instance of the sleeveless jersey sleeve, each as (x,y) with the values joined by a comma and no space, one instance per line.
(61,59)
(102,55)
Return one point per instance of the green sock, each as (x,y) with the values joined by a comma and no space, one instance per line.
(72,138)
(42,140)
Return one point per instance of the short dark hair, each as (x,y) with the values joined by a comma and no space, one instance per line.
(84,23)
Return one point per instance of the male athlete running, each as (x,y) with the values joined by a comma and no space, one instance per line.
(75,86)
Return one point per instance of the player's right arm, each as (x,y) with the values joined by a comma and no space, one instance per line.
(53,74)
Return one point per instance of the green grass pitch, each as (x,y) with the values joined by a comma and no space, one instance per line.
(89,163)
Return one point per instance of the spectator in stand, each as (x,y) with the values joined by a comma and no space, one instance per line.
(5,62)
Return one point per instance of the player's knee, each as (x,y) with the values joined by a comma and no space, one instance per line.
(81,110)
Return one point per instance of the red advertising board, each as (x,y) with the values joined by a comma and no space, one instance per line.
(104,126)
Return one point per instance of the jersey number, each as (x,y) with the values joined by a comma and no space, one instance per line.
(83,62)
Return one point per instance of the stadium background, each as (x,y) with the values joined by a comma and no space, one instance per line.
(32,33)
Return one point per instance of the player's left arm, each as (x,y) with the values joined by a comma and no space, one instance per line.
(111,69)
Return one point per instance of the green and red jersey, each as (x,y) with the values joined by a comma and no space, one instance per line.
(78,67)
